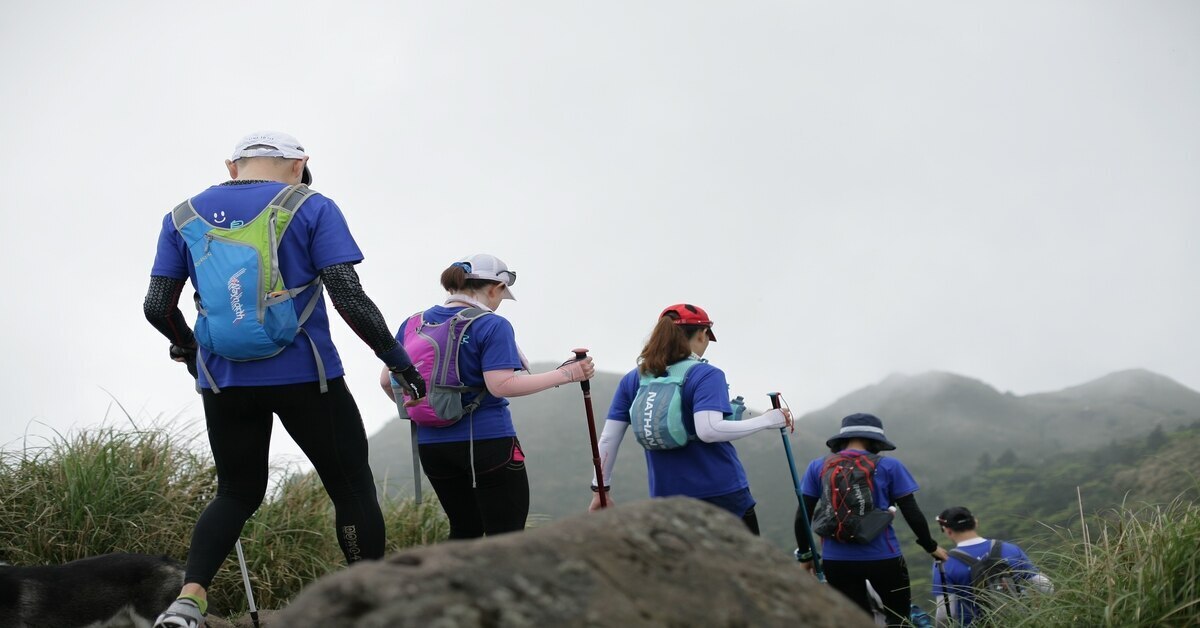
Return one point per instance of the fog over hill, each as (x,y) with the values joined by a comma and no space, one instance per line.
(942,424)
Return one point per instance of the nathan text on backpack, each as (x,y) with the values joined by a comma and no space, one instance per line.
(657,410)
(846,509)
(433,348)
(244,310)
(992,576)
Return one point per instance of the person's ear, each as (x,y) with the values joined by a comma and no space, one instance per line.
(232,167)
(298,168)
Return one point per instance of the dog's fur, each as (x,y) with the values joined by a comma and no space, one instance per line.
(127,590)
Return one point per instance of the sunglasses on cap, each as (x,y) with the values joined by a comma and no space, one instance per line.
(507,277)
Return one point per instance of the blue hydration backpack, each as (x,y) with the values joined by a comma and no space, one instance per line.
(657,410)
(244,310)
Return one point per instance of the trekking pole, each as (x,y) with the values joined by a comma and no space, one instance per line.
(587,406)
(787,447)
(398,395)
(945,592)
(246,581)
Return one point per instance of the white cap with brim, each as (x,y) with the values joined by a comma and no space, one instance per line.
(272,144)
(490,268)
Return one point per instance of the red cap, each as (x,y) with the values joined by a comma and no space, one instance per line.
(688,314)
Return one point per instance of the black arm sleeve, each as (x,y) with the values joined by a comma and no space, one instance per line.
(916,520)
(359,311)
(810,504)
(161,308)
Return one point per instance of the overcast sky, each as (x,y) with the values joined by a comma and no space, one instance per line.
(1008,190)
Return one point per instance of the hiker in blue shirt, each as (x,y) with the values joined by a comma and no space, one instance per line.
(953,590)
(302,382)
(476,464)
(707,466)
(849,565)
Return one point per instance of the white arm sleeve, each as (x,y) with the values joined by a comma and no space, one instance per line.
(711,426)
(610,443)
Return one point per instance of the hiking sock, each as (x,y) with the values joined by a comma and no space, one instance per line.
(201,603)
(187,611)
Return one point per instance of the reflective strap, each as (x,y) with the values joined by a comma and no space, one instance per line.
(412,431)
(320,364)
(204,367)
(312,301)
(272,252)
(289,199)
(276,298)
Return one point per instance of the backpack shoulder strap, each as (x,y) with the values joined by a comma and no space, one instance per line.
(997,550)
(963,557)
(681,368)
(183,214)
(472,313)
(291,197)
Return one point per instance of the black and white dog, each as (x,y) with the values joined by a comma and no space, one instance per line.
(127,590)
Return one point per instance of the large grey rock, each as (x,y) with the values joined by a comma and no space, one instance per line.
(665,562)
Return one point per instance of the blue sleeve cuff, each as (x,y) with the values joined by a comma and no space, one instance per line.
(395,358)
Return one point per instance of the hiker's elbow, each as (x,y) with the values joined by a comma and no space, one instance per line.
(705,430)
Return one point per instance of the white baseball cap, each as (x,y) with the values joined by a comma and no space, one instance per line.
(491,268)
(272,144)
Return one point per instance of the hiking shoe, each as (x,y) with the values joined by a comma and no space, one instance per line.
(182,613)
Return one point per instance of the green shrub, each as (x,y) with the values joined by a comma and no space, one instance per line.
(1128,567)
(104,490)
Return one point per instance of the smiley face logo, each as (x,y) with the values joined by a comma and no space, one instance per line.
(219,217)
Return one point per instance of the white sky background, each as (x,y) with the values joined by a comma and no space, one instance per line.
(1008,191)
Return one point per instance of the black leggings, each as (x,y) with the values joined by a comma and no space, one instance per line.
(499,501)
(327,427)
(888,577)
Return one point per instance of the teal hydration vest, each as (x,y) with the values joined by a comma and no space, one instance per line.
(657,410)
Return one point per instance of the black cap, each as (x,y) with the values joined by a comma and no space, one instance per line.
(957,518)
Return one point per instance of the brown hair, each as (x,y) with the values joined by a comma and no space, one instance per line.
(668,344)
(455,279)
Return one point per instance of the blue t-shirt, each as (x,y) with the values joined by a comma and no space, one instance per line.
(698,469)
(958,576)
(892,481)
(317,237)
(489,345)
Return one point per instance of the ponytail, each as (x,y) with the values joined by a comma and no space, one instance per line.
(455,280)
(668,344)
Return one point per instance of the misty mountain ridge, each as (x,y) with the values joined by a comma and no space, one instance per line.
(942,423)
(1116,406)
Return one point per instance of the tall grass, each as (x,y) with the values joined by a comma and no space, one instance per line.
(1129,566)
(105,490)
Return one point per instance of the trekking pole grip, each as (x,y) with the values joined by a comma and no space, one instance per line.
(585,384)
(774,400)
